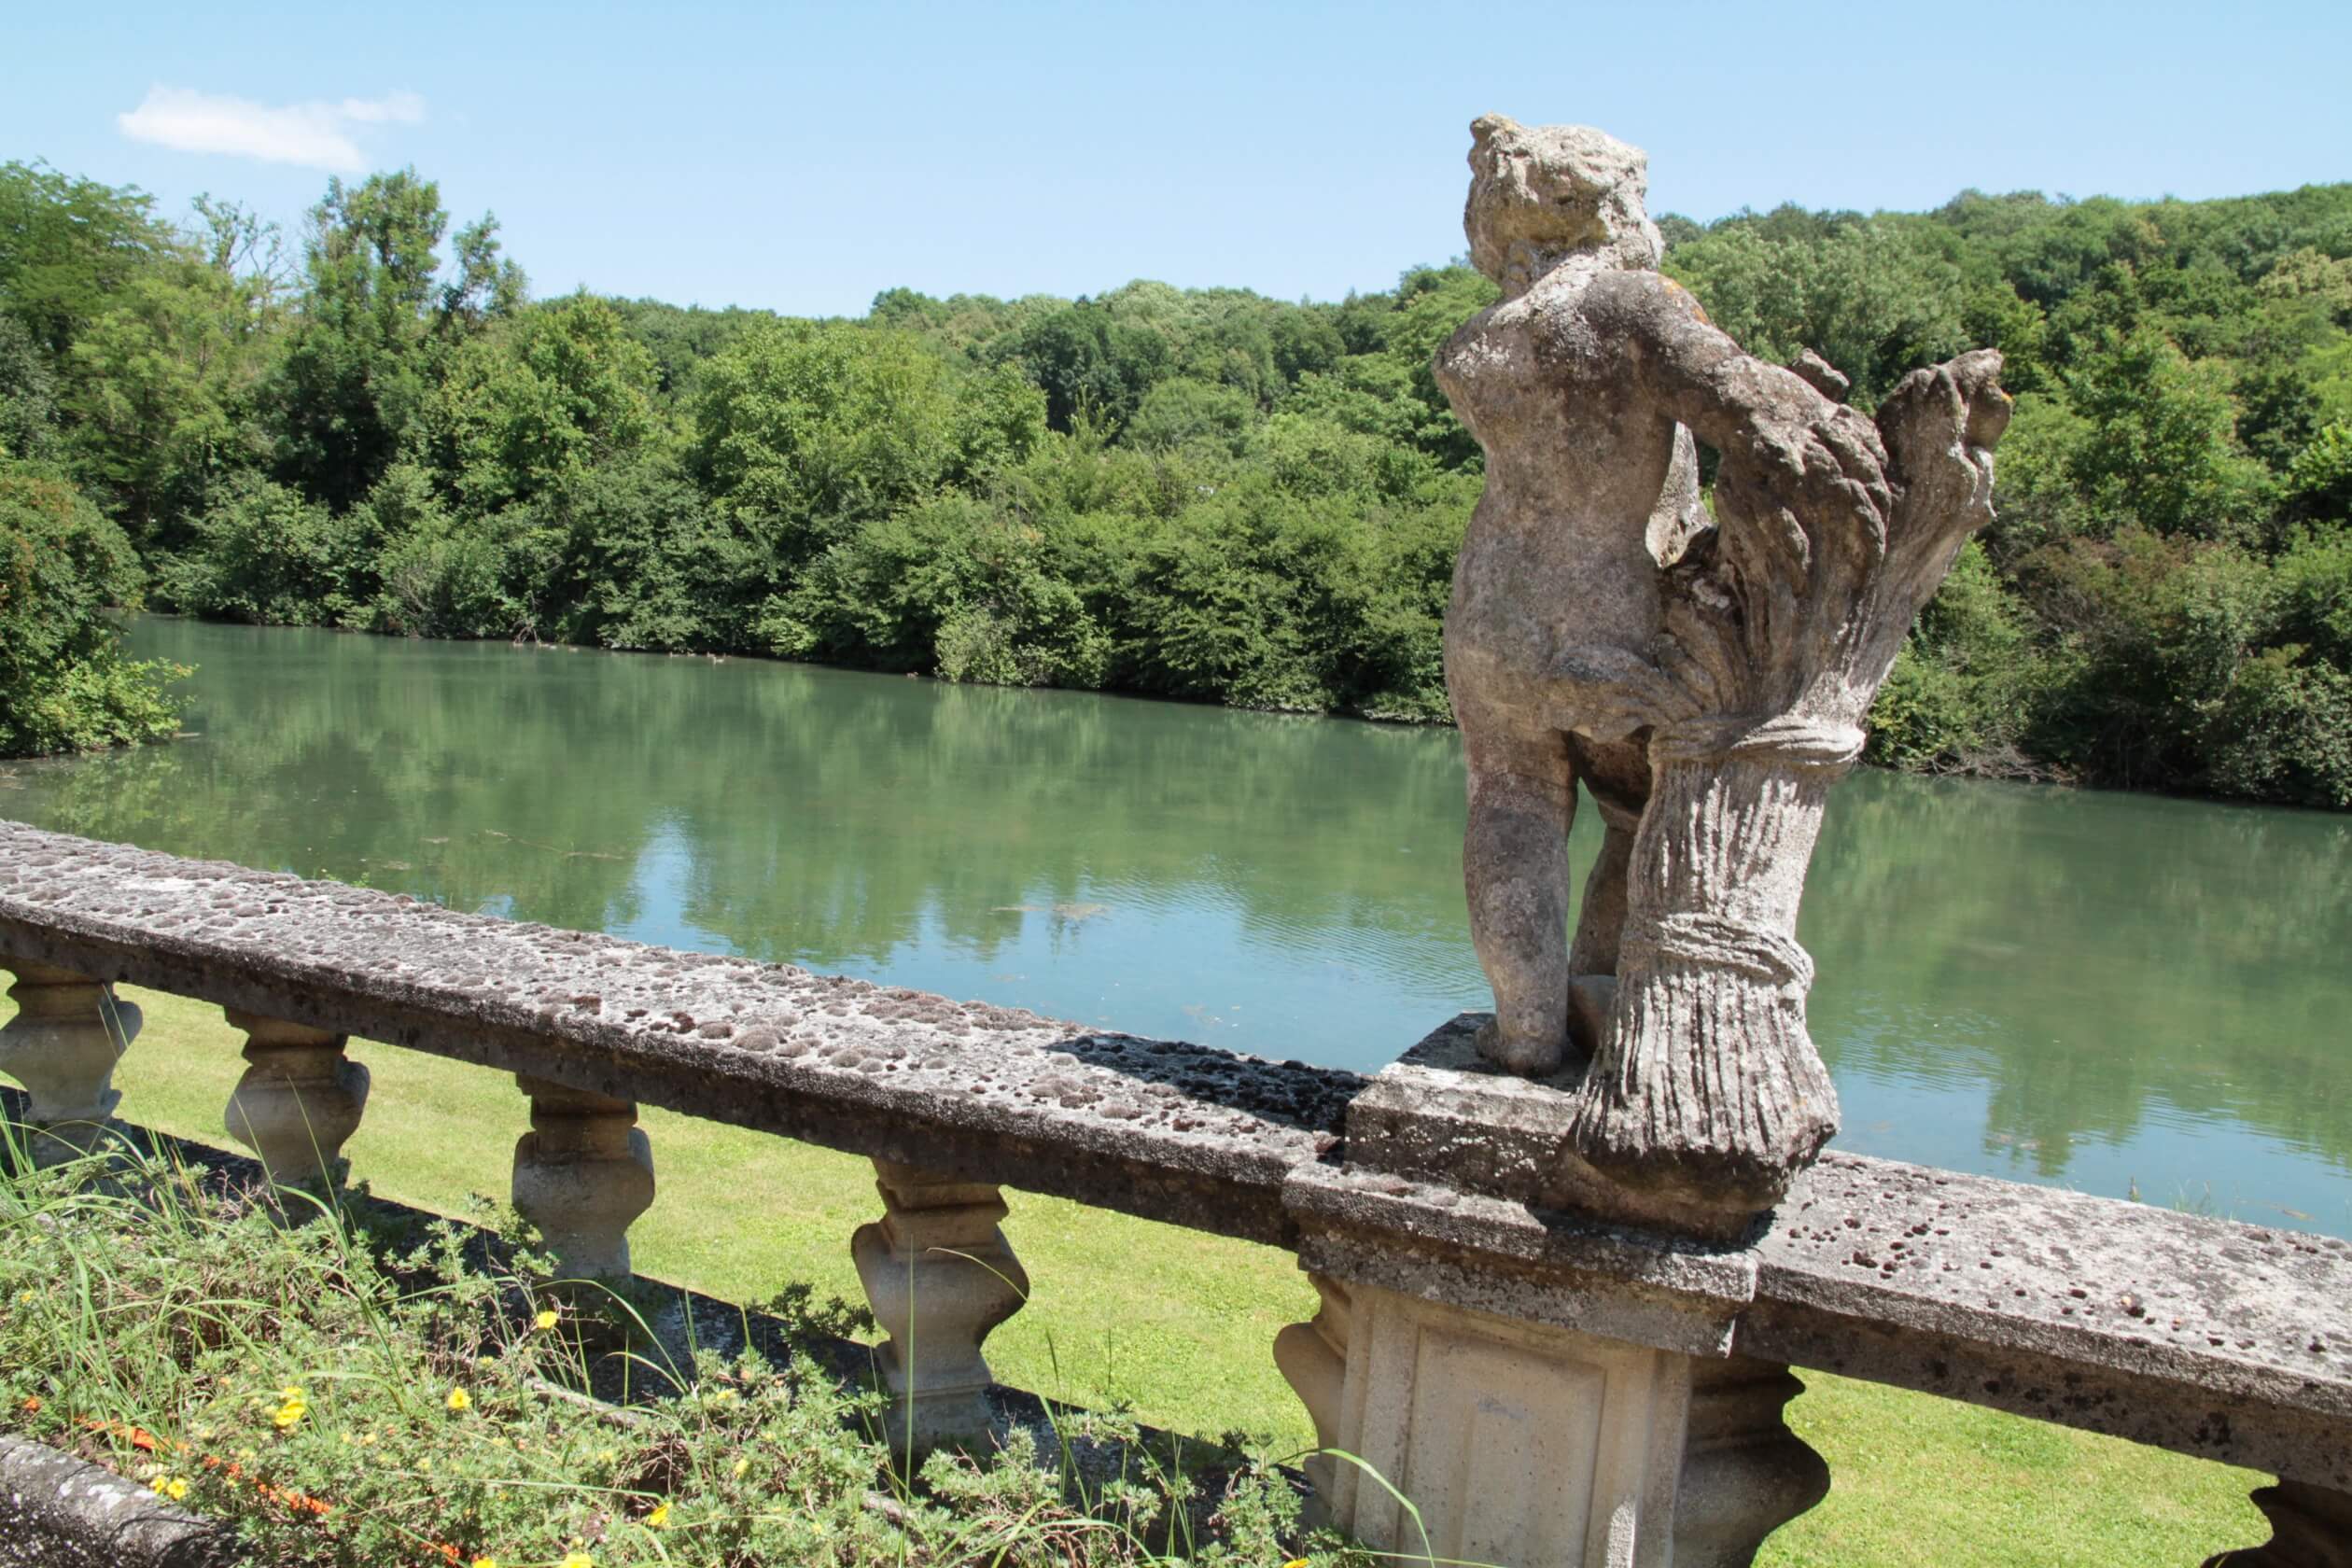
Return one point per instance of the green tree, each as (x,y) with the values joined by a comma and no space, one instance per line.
(804,429)
(2162,448)
(546,394)
(66,246)
(373,312)
(164,384)
(28,394)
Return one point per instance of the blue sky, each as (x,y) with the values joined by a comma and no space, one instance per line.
(804,158)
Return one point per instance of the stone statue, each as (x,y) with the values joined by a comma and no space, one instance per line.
(1704,676)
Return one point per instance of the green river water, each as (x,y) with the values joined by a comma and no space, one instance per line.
(2102,991)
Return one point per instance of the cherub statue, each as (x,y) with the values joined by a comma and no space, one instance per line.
(1703,677)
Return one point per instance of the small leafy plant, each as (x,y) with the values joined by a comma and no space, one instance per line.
(343,1383)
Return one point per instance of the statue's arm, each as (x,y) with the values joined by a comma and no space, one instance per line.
(1759,416)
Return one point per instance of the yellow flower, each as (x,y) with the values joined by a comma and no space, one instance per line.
(1296,1562)
(576,1560)
(659,1516)
(460,1399)
(290,1394)
(546,1319)
(176,1489)
(485,1563)
(289,1412)
(740,1467)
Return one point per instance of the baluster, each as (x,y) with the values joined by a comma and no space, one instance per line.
(1745,1474)
(2311,1527)
(939,1276)
(582,1174)
(1312,1357)
(300,1100)
(62,1046)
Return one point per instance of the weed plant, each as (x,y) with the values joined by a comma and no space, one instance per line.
(343,1386)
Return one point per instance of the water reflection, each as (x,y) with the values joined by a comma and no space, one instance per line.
(2095,989)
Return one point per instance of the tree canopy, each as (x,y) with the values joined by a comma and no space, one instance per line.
(1202,494)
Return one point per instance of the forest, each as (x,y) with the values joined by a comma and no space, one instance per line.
(1195,493)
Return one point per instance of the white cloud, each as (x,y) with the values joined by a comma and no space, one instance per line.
(311,134)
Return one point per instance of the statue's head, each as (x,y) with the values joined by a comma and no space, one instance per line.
(1542,194)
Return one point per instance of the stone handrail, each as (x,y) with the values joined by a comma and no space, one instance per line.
(1602,1393)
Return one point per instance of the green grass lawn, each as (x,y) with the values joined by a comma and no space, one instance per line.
(1180,1324)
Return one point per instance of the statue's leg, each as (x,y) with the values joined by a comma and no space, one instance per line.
(1515,867)
(1601,915)
(1616,776)
(1616,780)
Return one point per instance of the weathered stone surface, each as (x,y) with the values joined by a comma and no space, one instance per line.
(940,1278)
(1516,1443)
(1158,1129)
(57,1511)
(1745,1474)
(300,1099)
(1499,1256)
(1556,593)
(62,1046)
(1704,675)
(1504,1471)
(583,1175)
(1961,1287)
(1445,1114)
(2228,1340)
(2225,1341)
(1312,1357)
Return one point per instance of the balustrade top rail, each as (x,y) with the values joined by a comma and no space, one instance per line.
(1183,1133)
(2200,1335)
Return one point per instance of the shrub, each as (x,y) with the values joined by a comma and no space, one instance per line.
(64,685)
(960,586)
(263,554)
(2283,731)
(1965,681)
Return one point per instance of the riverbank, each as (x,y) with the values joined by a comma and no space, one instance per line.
(1183,1334)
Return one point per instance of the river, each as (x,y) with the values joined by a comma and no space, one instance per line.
(2113,992)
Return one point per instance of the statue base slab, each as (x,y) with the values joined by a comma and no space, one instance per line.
(1442,1112)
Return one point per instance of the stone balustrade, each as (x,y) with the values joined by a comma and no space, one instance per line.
(1546,1387)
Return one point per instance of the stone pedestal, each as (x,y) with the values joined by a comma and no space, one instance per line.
(1491,1440)
(62,1046)
(300,1100)
(2311,1527)
(582,1175)
(939,1277)
(1503,1369)
(1514,1443)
